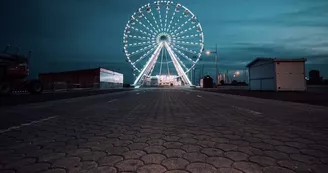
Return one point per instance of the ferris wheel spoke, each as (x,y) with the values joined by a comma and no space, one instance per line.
(185,49)
(141,31)
(140,50)
(148,21)
(146,27)
(160,20)
(187,43)
(166,16)
(143,56)
(170,23)
(135,37)
(182,25)
(182,54)
(158,28)
(148,43)
(174,27)
(184,31)
(185,37)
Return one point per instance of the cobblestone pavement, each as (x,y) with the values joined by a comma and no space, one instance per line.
(169,130)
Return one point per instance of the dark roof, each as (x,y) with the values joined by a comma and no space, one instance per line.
(275,60)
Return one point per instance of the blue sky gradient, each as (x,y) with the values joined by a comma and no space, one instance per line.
(74,34)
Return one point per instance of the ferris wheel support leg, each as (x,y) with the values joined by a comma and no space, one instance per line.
(177,66)
(149,65)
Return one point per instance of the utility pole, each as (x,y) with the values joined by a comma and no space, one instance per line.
(216,61)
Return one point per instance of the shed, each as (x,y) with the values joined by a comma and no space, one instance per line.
(275,74)
(206,82)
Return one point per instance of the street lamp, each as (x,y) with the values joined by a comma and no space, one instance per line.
(209,52)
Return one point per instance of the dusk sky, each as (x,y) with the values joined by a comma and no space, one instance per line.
(76,34)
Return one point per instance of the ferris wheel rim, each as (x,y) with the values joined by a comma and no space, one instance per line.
(155,34)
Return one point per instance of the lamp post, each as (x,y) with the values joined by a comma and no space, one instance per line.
(209,52)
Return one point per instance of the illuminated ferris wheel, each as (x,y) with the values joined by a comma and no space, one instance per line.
(163,38)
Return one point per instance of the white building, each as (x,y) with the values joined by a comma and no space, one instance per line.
(273,74)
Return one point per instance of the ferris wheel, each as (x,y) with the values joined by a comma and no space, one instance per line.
(163,38)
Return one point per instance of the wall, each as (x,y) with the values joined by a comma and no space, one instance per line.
(110,79)
(262,76)
(290,76)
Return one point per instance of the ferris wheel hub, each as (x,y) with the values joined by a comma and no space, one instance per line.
(163,37)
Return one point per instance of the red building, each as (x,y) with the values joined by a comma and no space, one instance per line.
(98,78)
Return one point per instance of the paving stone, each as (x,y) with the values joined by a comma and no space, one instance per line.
(153,168)
(129,165)
(294,165)
(21,162)
(106,169)
(55,170)
(229,170)
(175,163)
(236,156)
(227,147)
(176,171)
(85,166)
(276,169)
(240,142)
(277,155)
(154,149)
(219,162)
(188,140)
(153,158)
(304,158)
(171,138)
(155,142)
(173,153)
(247,167)
(116,150)
(67,162)
(201,168)
(209,144)
(51,157)
(7,171)
(262,146)
(172,145)
(286,149)
(140,139)
(320,168)
(137,146)
(195,157)
(92,156)
(36,167)
(324,160)
(296,145)
(134,154)
(191,148)
(250,150)
(220,140)
(314,153)
(109,160)
(273,142)
(263,161)
(212,152)
(122,143)
(127,137)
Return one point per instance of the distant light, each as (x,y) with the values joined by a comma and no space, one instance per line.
(237,73)
(208,52)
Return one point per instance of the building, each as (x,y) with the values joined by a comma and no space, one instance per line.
(98,78)
(206,82)
(273,74)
